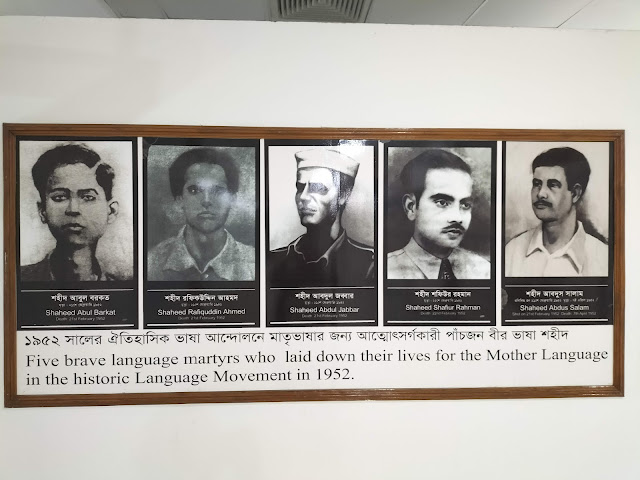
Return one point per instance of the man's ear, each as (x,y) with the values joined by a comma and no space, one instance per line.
(576,193)
(178,201)
(343,198)
(113,211)
(410,206)
(42,213)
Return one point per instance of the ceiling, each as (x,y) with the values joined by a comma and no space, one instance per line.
(586,14)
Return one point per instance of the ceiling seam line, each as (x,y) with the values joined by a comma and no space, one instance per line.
(583,7)
(117,14)
(162,10)
(474,12)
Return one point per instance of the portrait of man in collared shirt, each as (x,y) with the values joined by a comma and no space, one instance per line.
(79,192)
(205,203)
(321,248)
(568,197)
(434,197)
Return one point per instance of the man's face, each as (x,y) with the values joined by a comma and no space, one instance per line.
(316,196)
(444,211)
(205,199)
(75,207)
(551,198)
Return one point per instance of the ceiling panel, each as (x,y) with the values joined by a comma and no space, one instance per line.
(422,12)
(136,8)
(216,9)
(56,8)
(587,14)
(526,13)
(608,14)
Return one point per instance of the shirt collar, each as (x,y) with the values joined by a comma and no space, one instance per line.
(428,264)
(47,262)
(180,259)
(574,249)
(327,255)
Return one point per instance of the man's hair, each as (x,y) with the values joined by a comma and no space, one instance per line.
(575,165)
(71,154)
(414,173)
(179,168)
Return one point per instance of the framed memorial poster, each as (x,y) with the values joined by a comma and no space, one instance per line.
(176,264)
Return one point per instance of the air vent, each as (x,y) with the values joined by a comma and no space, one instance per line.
(345,11)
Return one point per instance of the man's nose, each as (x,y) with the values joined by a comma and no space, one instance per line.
(304,194)
(73,206)
(455,214)
(207,198)
(543,192)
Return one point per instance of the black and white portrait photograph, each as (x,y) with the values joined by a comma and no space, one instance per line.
(556,209)
(201,212)
(76,210)
(438,220)
(321,231)
(321,214)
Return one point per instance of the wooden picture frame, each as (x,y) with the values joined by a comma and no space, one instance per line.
(13,134)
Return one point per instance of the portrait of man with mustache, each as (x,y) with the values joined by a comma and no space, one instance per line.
(204,184)
(438,201)
(558,246)
(77,204)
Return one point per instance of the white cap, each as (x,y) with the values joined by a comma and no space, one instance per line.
(324,158)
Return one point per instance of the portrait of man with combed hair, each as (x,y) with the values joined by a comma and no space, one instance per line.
(556,225)
(438,198)
(77,194)
(197,197)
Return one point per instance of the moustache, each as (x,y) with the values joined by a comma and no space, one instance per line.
(456,228)
(541,203)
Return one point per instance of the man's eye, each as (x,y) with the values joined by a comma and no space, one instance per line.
(87,197)
(58,198)
(536,183)
(466,205)
(218,191)
(554,185)
(318,188)
(192,189)
(442,203)
(299,187)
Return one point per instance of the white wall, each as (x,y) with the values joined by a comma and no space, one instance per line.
(266,74)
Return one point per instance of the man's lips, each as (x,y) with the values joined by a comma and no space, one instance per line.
(307,211)
(73,227)
(207,214)
(541,204)
(454,231)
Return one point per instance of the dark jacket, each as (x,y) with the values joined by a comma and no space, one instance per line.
(43,272)
(345,263)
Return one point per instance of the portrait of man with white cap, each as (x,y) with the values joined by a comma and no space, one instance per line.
(325,254)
